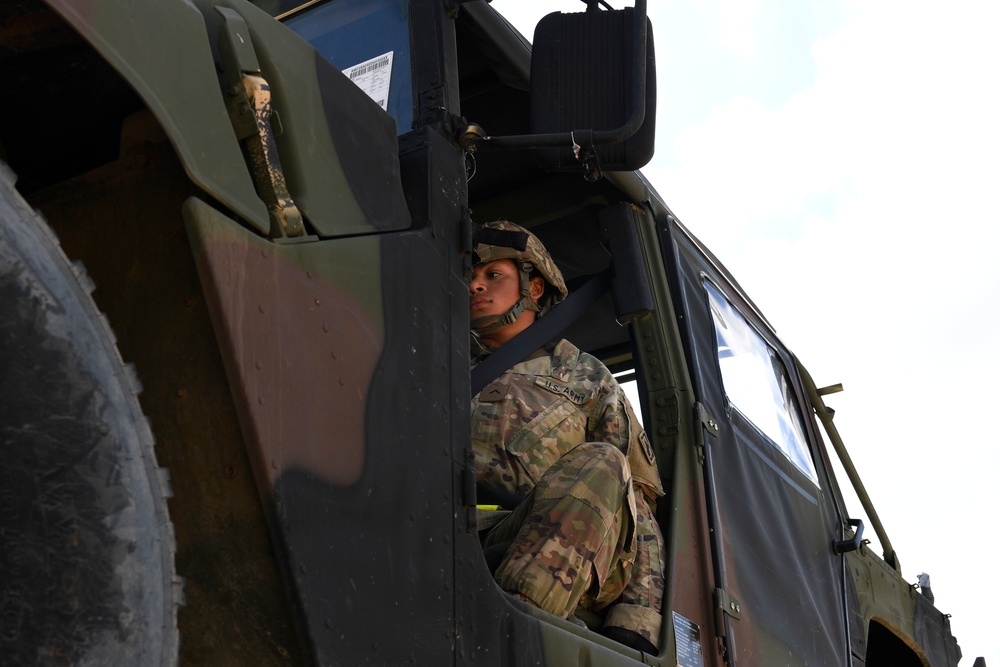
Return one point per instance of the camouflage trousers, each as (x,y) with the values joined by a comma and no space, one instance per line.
(583,537)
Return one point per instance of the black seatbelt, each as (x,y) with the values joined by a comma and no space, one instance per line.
(542,331)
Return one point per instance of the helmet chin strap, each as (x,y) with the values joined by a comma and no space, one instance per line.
(482,326)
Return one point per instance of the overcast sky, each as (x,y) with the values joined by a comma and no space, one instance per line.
(842,159)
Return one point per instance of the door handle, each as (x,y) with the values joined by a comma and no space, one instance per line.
(852,544)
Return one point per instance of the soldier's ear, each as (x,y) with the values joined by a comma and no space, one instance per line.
(537,285)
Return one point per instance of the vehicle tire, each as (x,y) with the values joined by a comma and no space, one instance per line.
(86,546)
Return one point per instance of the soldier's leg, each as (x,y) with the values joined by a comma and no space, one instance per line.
(577,535)
(638,609)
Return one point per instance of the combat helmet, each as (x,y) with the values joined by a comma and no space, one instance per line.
(505,240)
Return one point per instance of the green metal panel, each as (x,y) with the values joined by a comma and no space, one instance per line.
(163,49)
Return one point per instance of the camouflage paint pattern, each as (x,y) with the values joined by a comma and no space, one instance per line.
(301,348)
(184,97)
(584,536)
(323,116)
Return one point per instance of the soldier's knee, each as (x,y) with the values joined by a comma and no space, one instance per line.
(600,456)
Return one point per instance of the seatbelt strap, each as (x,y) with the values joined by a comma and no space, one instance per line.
(541,331)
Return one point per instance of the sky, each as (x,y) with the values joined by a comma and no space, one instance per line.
(842,160)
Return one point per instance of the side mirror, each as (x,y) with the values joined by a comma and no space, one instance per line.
(593,93)
(593,81)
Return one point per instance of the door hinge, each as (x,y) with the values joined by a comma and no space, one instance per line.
(727,604)
(709,424)
(667,415)
(707,420)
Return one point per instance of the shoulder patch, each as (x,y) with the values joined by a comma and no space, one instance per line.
(561,389)
(647,447)
(494,391)
(633,423)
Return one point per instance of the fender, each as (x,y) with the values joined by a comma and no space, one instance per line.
(169,52)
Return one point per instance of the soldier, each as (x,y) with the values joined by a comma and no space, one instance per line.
(557,430)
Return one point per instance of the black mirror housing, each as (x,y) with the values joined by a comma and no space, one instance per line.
(584,67)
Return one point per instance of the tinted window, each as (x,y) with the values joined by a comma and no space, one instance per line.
(369,41)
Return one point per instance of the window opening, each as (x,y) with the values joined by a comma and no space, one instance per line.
(757,384)
(629,384)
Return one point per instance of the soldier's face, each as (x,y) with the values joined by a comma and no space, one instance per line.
(494,288)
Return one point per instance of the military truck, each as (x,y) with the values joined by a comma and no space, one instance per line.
(272,205)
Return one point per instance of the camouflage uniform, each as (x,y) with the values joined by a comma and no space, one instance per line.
(558,429)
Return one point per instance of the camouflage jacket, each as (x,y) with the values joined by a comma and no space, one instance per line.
(545,406)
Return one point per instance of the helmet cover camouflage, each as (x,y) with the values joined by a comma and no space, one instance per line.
(534,254)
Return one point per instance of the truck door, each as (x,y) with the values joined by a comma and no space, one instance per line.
(779,583)
(336,341)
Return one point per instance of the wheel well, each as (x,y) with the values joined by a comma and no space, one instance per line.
(70,104)
(93,160)
(885,648)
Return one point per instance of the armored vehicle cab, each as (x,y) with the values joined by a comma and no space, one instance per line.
(273,206)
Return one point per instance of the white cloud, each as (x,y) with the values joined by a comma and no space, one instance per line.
(859,215)
(736,21)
